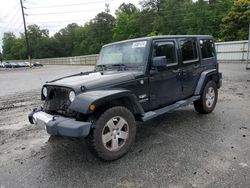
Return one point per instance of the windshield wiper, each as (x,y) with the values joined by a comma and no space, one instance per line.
(118,67)
(121,66)
(101,67)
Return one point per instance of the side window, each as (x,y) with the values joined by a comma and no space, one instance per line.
(188,50)
(207,48)
(167,49)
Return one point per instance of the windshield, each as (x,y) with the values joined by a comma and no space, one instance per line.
(127,53)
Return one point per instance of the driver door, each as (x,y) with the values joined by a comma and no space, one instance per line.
(164,82)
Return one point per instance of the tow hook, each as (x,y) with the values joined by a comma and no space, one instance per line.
(30,117)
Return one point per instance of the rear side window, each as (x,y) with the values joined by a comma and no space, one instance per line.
(188,50)
(207,48)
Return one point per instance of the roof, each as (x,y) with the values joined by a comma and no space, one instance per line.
(161,37)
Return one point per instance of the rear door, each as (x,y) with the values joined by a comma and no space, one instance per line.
(190,65)
(208,54)
(165,86)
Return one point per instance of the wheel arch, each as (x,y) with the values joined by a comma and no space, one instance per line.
(205,77)
(104,99)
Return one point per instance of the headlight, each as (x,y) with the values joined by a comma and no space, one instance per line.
(72,96)
(45,92)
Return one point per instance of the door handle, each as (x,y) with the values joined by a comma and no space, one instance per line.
(177,71)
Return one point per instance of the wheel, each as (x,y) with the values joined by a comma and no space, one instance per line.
(113,134)
(208,100)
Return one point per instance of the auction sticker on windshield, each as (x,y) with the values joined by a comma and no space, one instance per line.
(141,44)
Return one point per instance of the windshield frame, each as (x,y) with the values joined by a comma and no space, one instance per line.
(144,63)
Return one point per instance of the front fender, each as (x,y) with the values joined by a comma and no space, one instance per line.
(98,97)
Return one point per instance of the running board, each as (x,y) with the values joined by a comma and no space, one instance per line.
(152,114)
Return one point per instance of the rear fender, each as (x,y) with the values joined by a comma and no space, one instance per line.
(208,74)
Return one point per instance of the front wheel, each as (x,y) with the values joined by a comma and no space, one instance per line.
(208,100)
(113,133)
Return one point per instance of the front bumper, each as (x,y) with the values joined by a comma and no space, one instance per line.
(58,125)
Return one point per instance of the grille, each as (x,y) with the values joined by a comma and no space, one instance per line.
(57,100)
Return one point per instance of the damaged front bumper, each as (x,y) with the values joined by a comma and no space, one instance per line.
(59,125)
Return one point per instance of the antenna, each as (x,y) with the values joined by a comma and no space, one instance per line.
(107,9)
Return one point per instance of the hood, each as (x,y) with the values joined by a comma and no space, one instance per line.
(93,80)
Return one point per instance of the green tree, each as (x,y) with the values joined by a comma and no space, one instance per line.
(129,9)
(13,47)
(49,48)
(224,19)
(8,41)
(198,19)
(185,16)
(123,27)
(235,24)
(66,38)
(220,9)
(99,31)
(19,50)
(151,5)
(171,15)
(126,26)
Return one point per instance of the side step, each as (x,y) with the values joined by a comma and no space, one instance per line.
(152,114)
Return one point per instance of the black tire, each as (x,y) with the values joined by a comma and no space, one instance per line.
(96,138)
(202,105)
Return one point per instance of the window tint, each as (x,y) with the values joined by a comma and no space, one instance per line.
(166,49)
(207,48)
(188,49)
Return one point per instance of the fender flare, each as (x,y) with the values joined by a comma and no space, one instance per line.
(98,97)
(203,78)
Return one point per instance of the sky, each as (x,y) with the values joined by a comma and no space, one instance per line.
(52,14)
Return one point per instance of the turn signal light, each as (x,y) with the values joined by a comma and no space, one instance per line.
(91,107)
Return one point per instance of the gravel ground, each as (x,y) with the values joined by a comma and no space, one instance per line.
(179,149)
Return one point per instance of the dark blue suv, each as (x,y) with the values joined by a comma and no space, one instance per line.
(134,80)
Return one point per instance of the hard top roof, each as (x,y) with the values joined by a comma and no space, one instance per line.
(163,37)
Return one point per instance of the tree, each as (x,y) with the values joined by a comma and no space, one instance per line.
(151,5)
(99,31)
(185,16)
(13,48)
(223,19)
(170,16)
(123,27)
(198,19)
(36,38)
(66,38)
(129,9)
(235,24)
(127,25)
(49,48)
(8,41)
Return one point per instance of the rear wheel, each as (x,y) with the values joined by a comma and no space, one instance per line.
(208,100)
(113,134)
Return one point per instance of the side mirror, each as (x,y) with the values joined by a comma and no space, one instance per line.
(160,61)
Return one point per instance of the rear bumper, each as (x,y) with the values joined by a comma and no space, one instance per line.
(58,125)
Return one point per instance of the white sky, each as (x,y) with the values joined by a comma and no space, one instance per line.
(11,17)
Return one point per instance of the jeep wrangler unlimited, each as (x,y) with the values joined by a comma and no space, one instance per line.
(134,80)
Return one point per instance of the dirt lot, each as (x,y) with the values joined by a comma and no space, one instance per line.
(180,149)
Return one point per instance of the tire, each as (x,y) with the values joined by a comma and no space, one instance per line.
(208,100)
(113,134)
